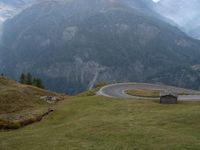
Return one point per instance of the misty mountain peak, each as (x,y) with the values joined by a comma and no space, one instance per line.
(185,13)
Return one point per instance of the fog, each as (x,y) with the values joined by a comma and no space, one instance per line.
(184,13)
(156,1)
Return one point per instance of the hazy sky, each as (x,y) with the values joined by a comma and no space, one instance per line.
(156,1)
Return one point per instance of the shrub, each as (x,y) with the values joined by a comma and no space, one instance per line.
(100,84)
(87,93)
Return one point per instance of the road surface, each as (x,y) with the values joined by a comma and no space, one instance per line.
(118,91)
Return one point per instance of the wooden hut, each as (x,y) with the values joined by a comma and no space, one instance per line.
(167,97)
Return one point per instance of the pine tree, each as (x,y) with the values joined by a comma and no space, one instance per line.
(38,83)
(29,79)
(34,81)
(22,79)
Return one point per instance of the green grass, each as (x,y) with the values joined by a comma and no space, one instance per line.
(87,93)
(99,123)
(93,92)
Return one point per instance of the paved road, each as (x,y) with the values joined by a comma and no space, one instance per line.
(118,91)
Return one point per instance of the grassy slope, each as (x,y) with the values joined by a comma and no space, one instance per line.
(20,102)
(107,124)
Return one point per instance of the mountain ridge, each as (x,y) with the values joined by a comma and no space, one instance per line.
(77,44)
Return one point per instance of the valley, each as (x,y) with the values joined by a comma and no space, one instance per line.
(99,75)
(90,121)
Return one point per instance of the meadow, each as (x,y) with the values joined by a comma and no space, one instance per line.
(99,123)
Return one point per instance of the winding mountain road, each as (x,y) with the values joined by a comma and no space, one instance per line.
(118,91)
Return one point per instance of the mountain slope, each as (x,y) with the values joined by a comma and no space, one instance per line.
(184,13)
(10,8)
(72,45)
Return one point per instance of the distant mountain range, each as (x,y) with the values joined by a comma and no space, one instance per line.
(184,14)
(72,45)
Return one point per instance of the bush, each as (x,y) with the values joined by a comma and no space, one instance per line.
(100,84)
(87,93)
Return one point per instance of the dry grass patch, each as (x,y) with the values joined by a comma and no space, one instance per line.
(21,103)
(144,92)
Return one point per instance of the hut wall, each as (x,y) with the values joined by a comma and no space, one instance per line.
(168,99)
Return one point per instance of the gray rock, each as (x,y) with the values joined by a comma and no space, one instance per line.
(50,99)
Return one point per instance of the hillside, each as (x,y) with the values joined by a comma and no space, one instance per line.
(99,123)
(72,45)
(21,103)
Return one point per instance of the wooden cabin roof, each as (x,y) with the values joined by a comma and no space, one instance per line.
(168,93)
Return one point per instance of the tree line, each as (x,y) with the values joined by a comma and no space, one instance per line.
(27,78)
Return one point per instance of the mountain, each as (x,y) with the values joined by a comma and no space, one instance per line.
(184,13)
(72,45)
(145,5)
(10,8)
